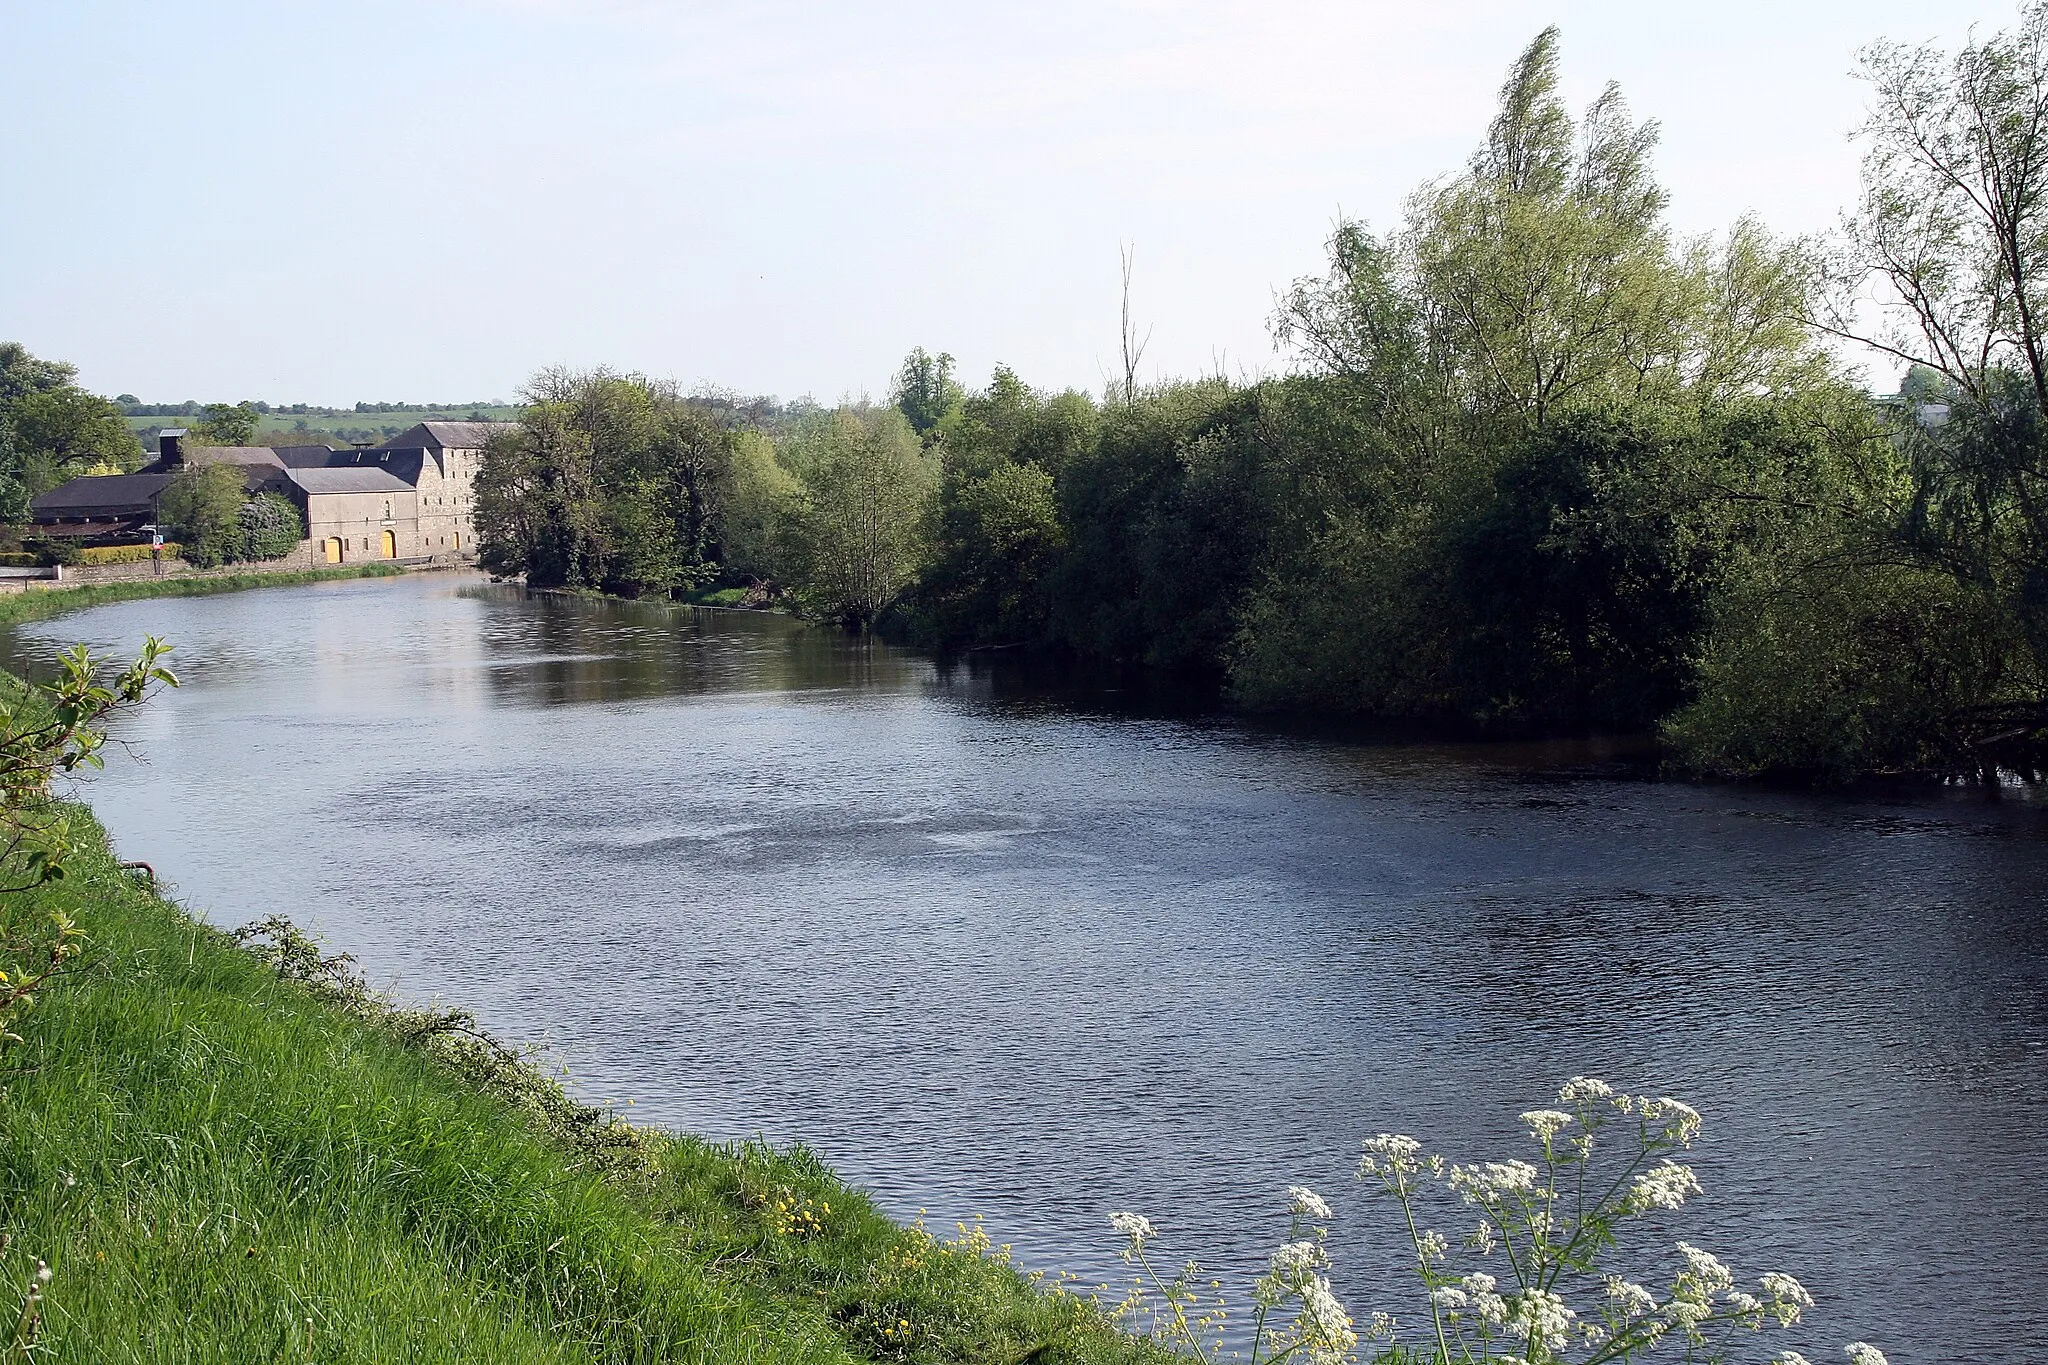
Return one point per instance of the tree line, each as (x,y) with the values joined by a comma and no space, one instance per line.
(1544,465)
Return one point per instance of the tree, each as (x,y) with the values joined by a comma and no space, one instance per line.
(271,527)
(924,390)
(227,424)
(765,497)
(859,534)
(611,481)
(1953,226)
(1131,345)
(52,430)
(202,508)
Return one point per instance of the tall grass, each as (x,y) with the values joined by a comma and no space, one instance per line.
(220,1164)
(42,603)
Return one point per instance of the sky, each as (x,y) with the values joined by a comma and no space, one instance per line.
(428,200)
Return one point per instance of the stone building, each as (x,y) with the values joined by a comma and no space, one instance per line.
(411,498)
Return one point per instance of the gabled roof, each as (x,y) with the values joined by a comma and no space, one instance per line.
(403,464)
(108,495)
(348,480)
(304,457)
(241,455)
(446,435)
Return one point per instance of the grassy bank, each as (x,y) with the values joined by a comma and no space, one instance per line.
(41,604)
(222,1162)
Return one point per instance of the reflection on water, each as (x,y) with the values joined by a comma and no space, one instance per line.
(996,950)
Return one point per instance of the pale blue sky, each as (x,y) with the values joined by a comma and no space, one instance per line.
(428,199)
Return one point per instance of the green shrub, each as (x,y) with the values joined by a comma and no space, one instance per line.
(271,527)
(123,554)
(49,551)
(18,559)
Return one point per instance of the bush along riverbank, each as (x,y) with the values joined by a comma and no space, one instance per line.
(43,603)
(231,1150)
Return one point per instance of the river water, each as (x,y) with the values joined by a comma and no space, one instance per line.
(992,949)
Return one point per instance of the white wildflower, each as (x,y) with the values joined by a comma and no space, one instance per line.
(1582,1088)
(1431,1246)
(1746,1306)
(1786,1296)
(1483,1239)
(1629,1299)
(1388,1155)
(1545,1124)
(1705,1270)
(1287,1270)
(1539,1315)
(1293,1256)
(1680,1119)
(1688,1313)
(1324,1325)
(1136,1228)
(1382,1325)
(1306,1203)
(1486,1305)
(1863,1353)
(1488,1182)
(1663,1187)
(1451,1299)
(1790,1358)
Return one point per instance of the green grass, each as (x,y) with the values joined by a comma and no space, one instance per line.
(716,597)
(40,604)
(221,1164)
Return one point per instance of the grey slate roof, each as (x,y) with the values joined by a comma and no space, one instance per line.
(446,435)
(101,494)
(241,455)
(349,480)
(404,464)
(304,457)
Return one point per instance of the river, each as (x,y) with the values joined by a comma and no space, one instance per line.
(995,950)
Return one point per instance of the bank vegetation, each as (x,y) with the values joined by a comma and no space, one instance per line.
(1543,465)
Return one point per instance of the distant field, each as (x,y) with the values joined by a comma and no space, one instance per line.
(336,425)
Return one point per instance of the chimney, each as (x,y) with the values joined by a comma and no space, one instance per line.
(170,447)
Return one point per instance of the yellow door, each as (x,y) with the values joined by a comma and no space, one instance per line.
(391,544)
(458,540)
(333,549)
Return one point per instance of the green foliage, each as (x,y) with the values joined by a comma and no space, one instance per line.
(1545,465)
(999,535)
(858,533)
(760,510)
(51,430)
(128,554)
(229,1156)
(202,507)
(612,482)
(227,424)
(271,527)
(54,550)
(50,730)
(925,391)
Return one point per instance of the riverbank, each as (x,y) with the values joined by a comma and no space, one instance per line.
(223,1158)
(44,603)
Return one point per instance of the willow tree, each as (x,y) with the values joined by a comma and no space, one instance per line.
(1531,344)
